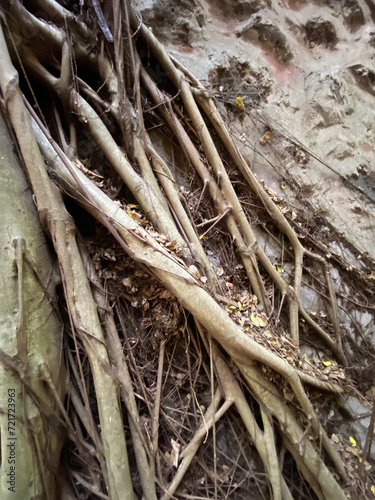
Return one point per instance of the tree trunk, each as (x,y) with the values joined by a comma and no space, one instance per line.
(32,373)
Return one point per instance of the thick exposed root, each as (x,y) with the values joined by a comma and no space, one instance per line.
(247,355)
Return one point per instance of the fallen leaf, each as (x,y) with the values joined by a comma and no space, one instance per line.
(327,363)
(195,272)
(239,102)
(265,138)
(258,320)
(132,214)
(353,441)
(175,452)
(335,438)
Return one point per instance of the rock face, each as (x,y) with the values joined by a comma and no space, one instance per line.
(305,70)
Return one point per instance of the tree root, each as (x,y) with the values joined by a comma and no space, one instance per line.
(236,357)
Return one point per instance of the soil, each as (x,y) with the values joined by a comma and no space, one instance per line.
(305,74)
(305,71)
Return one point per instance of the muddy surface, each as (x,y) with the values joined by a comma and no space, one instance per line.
(305,71)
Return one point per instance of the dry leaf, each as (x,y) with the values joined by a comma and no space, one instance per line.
(258,320)
(175,453)
(265,138)
(127,282)
(335,438)
(195,272)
